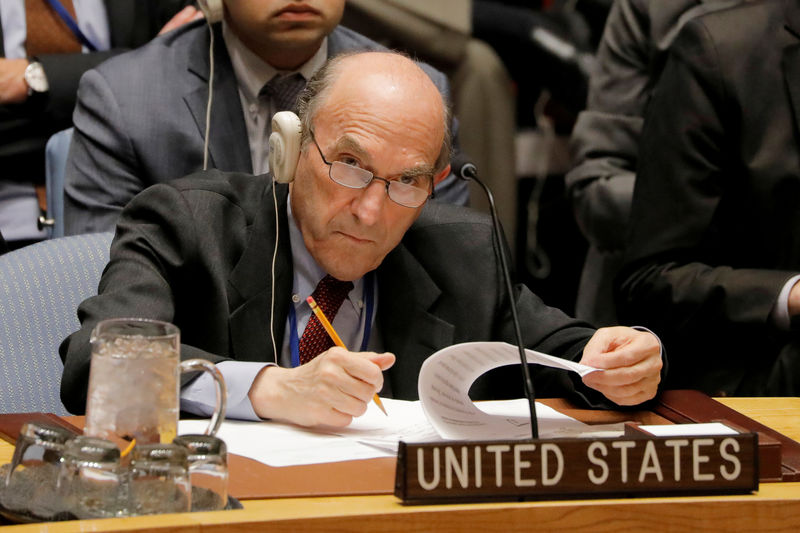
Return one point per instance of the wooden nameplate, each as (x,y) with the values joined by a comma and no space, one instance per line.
(576,468)
(780,455)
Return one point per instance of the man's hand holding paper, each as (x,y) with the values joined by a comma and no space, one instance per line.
(631,360)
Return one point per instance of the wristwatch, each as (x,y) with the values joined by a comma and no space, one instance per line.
(36,79)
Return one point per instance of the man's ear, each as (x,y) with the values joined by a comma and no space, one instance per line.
(441,175)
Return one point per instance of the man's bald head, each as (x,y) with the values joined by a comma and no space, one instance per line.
(384,78)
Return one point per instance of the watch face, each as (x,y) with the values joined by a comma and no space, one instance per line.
(35,78)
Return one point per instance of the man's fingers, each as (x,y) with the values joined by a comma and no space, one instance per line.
(619,376)
(184,16)
(364,366)
(623,391)
(631,361)
(631,394)
(383,360)
(620,347)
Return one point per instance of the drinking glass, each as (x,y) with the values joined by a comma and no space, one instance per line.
(91,481)
(31,478)
(208,470)
(134,382)
(159,480)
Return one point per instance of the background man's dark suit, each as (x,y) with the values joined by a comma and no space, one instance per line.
(209,243)
(119,149)
(715,226)
(25,128)
(605,139)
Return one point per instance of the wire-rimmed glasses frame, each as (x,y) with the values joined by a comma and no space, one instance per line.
(360,178)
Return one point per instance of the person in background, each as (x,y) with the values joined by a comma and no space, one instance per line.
(605,139)
(41,61)
(141,119)
(401,277)
(713,254)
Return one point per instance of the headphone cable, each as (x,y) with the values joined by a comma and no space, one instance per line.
(210,93)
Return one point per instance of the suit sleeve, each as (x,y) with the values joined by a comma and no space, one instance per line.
(605,139)
(673,280)
(63,72)
(102,173)
(155,246)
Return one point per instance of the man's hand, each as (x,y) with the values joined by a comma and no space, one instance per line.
(184,16)
(632,363)
(13,89)
(332,389)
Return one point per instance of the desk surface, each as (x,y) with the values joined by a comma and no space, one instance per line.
(776,507)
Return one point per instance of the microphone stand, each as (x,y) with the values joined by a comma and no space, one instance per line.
(469,171)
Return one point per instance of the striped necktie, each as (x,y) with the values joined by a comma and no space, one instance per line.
(283,91)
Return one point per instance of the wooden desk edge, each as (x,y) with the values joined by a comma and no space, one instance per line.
(776,504)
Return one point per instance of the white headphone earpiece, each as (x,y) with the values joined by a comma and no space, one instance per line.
(212,9)
(284,152)
(284,146)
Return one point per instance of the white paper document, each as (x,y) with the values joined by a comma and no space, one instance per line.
(279,444)
(444,411)
(446,377)
(375,434)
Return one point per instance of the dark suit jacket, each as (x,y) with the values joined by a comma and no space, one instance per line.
(197,252)
(25,128)
(715,227)
(140,120)
(605,139)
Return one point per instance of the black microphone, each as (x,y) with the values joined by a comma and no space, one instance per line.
(465,169)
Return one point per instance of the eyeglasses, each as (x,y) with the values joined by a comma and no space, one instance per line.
(399,192)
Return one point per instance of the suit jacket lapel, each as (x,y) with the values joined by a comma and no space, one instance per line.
(228,146)
(410,329)
(335,43)
(791,59)
(251,285)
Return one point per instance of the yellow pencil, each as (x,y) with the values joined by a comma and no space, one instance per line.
(335,338)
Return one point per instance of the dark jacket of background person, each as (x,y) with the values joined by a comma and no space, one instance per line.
(25,128)
(715,222)
(196,252)
(605,139)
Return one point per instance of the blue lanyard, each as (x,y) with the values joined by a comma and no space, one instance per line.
(71,24)
(369,298)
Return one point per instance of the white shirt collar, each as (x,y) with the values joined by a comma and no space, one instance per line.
(307,272)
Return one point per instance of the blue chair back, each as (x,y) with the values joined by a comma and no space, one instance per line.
(41,286)
(55,163)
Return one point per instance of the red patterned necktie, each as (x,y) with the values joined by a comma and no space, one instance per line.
(329,295)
